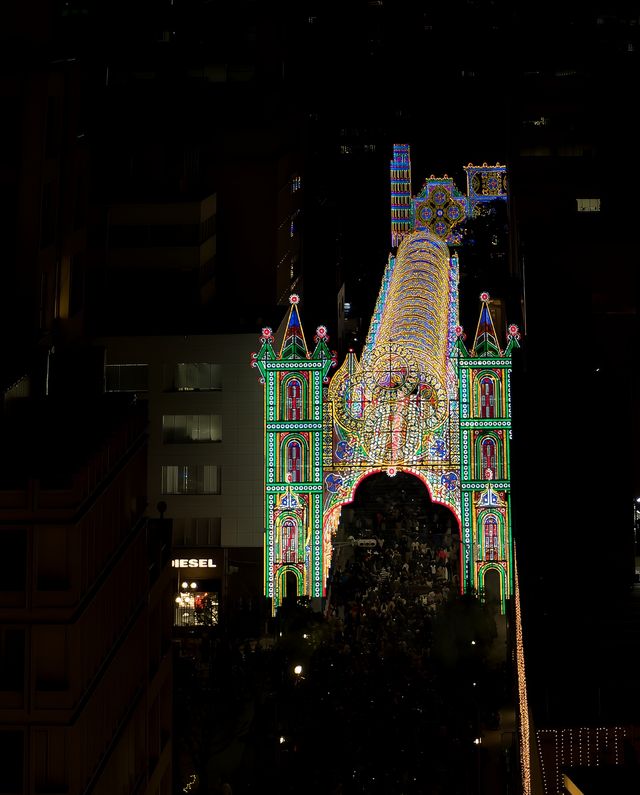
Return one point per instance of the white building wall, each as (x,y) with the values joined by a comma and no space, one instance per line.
(240,453)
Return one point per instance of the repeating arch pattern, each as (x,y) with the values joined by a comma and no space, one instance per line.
(487,396)
(489,456)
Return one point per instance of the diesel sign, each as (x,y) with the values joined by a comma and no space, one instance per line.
(193,563)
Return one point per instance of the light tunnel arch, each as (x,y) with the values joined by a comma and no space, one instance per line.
(281,580)
(331,516)
(488,570)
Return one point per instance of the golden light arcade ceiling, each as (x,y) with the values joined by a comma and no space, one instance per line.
(396,396)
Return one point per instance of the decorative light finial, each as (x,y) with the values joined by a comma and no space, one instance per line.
(484,296)
(513,332)
(321,334)
(294,298)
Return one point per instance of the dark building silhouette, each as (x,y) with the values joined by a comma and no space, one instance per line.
(278,124)
(86,693)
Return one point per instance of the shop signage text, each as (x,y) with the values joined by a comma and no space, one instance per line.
(193,563)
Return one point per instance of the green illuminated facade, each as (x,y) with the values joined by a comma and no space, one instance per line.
(417,401)
(293,410)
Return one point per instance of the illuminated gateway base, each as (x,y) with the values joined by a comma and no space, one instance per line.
(418,401)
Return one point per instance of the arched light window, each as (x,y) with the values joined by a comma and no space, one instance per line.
(289,541)
(488,457)
(487,397)
(294,461)
(294,399)
(491,551)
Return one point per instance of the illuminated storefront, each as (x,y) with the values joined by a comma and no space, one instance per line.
(198,578)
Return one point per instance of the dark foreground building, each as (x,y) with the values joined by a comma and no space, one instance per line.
(85,604)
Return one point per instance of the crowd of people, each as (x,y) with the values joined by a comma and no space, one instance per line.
(383,692)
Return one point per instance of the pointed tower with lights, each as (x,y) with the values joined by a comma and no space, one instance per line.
(484,378)
(293,381)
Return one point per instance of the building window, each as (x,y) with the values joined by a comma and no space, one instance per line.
(52,559)
(294,462)
(197,531)
(126,377)
(188,428)
(294,399)
(195,608)
(488,458)
(487,398)
(588,205)
(51,658)
(14,548)
(191,479)
(491,538)
(195,377)
(12,659)
(12,761)
(289,541)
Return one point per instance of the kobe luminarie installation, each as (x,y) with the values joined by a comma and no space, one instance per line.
(419,400)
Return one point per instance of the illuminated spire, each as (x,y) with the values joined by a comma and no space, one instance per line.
(294,345)
(486,341)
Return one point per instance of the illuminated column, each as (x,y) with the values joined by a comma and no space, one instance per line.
(293,433)
(484,376)
(400,193)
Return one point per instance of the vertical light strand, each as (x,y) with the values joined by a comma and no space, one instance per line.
(523,704)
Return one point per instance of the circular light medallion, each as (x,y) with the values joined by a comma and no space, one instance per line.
(392,372)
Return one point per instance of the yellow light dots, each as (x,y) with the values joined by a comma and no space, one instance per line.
(397,394)
(577,746)
(523,705)
(415,311)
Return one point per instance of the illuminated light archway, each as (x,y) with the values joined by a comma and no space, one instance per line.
(414,481)
(417,401)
